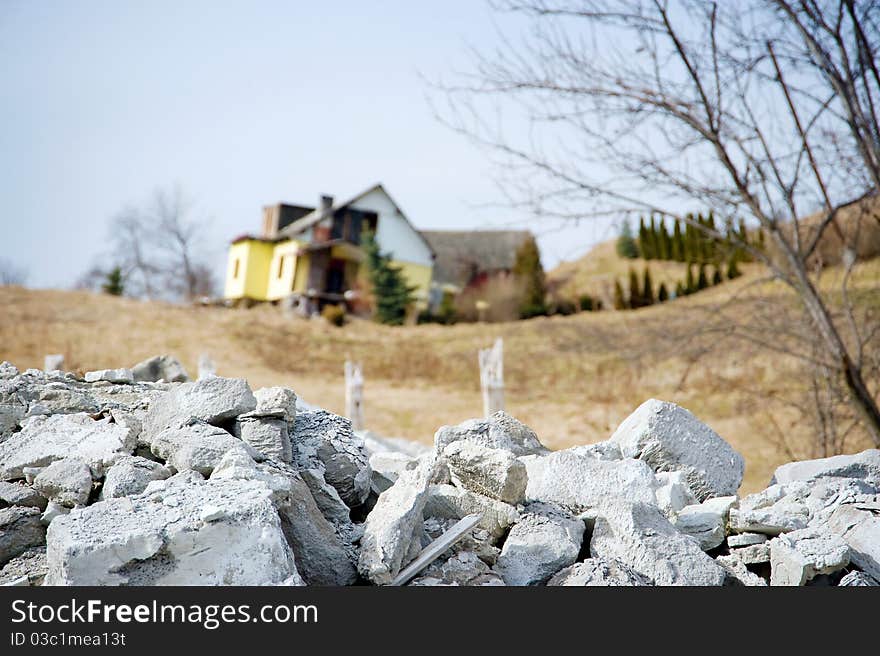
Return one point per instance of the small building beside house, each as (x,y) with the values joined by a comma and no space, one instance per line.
(467,259)
(314,255)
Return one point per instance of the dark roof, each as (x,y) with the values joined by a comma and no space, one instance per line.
(463,254)
(310,219)
(290,213)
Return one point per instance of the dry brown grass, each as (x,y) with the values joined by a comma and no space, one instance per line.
(573,379)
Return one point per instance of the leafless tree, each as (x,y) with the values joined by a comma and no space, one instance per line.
(159,247)
(11,273)
(764,109)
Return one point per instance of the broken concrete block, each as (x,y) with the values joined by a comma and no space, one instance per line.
(450,502)
(638,535)
(268,435)
(754,554)
(20,529)
(276,402)
(599,572)
(673,492)
(67,482)
(798,556)
(17,494)
(737,574)
(8,370)
(669,438)
(865,465)
(159,538)
(123,376)
(500,431)
(706,522)
(198,447)
(493,472)
(213,400)
(322,440)
(540,544)
(160,367)
(606,450)
(857,578)
(28,568)
(745,539)
(321,557)
(130,475)
(53,510)
(44,440)
(466,568)
(860,529)
(579,483)
(392,524)
(770,511)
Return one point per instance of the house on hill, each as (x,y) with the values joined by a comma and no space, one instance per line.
(466,259)
(314,255)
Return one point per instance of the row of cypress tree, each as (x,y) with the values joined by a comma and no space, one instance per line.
(642,295)
(687,243)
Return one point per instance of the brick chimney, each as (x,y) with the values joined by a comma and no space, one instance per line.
(322,229)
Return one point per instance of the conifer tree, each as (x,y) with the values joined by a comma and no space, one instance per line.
(662,294)
(647,295)
(619,298)
(690,286)
(716,276)
(702,281)
(528,269)
(114,283)
(679,290)
(391,293)
(644,241)
(677,243)
(635,296)
(733,271)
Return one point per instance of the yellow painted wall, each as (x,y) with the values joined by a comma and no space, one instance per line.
(252,278)
(418,276)
(301,279)
(285,252)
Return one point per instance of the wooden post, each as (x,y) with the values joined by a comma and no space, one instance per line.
(354,395)
(492,377)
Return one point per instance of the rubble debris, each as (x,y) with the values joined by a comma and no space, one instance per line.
(67,482)
(500,431)
(103,483)
(20,529)
(669,438)
(436,548)
(544,541)
(325,441)
(493,472)
(160,538)
(110,376)
(160,367)
(799,556)
(638,535)
(391,526)
(44,440)
(599,572)
(577,482)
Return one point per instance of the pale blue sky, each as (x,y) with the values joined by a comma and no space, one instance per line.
(242,104)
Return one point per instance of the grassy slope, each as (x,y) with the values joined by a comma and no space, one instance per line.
(573,379)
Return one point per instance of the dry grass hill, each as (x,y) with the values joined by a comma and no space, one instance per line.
(573,379)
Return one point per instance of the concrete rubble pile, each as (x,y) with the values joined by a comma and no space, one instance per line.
(141,477)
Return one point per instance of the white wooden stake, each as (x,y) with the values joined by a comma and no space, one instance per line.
(492,377)
(354,395)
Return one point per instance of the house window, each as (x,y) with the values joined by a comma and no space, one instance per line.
(280,267)
(235,269)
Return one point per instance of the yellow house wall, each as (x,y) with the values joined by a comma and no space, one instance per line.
(301,277)
(254,258)
(279,287)
(418,276)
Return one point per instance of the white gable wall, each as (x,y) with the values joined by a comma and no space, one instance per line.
(395,234)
